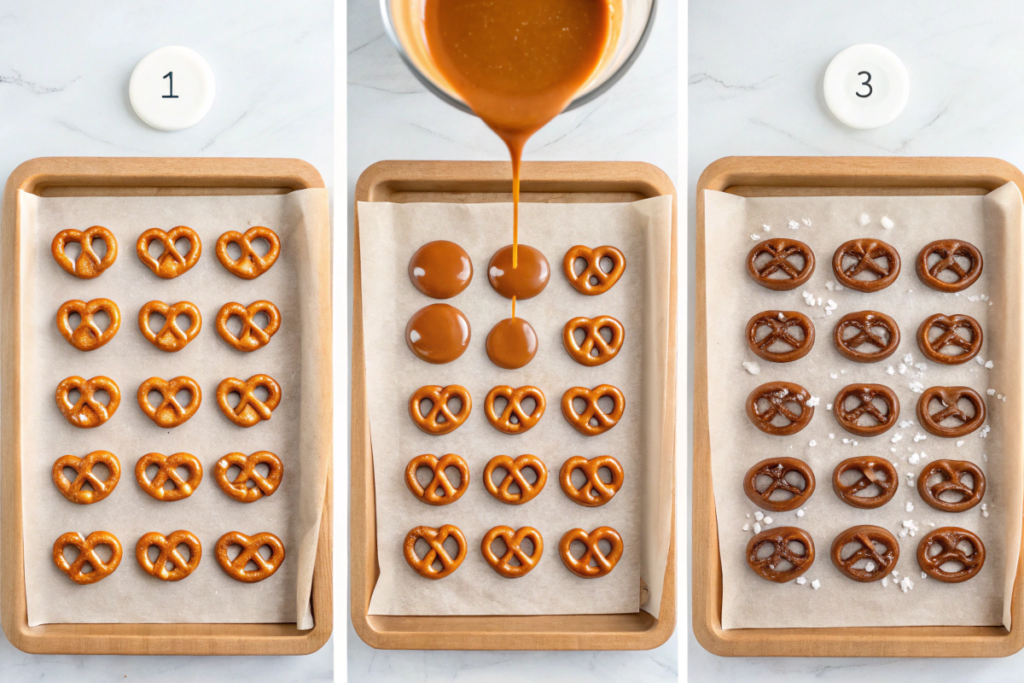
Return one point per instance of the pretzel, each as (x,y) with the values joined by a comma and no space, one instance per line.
(72,490)
(865,322)
(864,252)
(166,469)
(593,280)
(170,263)
(169,413)
(950,397)
(88,265)
(777,469)
(948,251)
(168,546)
(779,324)
(87,336)
(778,395)
(849,419)
(870,467)
(250,410)
(514,470)
(593,413)
(265,568)
(949,324)
(428,494)
(780,538)
(948,538)
(780,250)
(584,353)
(239,489)
(171,337)
(87,412)
(249,265)
(252,336)
(514,408)
(439,397)
(952,472)
(596,491)
(87,556)
(877,565)
(604,563)
(513,539)
(435,538)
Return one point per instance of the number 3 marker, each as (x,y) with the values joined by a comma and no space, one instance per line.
(866,86)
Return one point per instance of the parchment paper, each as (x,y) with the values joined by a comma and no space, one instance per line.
(993,224)
(640,511)
(208,595)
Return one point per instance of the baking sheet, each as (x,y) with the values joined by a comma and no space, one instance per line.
(295,285)
(993,224)
(641,510)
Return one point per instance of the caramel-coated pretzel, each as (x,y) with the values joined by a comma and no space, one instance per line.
(428,494)
(604,563)
(87,556)
(865,252)
(849,418)
(265,567)
(865,323)
(87,336)
(593,341)
(947,251)
(249,265)
(948,538)
(952,472)
(513,539)
(776,469)
(170,337)
(514,408)
(870,468)
(170,264)
(878,565)
(169,413)
(596,491)
(593,280)
(250,410)
(168,546)
(167,469)
(949,324)
(514,469)
(780,250)
(593,412)
(779,395)
(251,336)
(72,490)
(88,265)
(779,324)
(950,397)
(239,488)
(779,539)
(439,397)
(435,538)
(87,412)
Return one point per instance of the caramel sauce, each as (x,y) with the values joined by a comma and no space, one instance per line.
(523,282)
(438,333)
(512,343)
(440,269)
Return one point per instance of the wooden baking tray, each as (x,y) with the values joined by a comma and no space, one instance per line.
(441,181)
(822,176)
(84,176)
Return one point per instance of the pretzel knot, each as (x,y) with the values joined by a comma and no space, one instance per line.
(169,413)
(874,472)
(595,491)
(865,394)
(250,410)
(952,482)
(878,564)
(948,251)
(167,470)
(440,482)
(514,470)
(513,549)
(87,555)
(435,539)
(866,255)
(72,490)
(594,350)
(87,412)
(249,265)
(171,337)
(949,337)
(239,488)
(948,539)
(780,251)
(251,336)
(88,265)
(603,564)
(235,568)
(593,280)
(949,398)
(593,420)
(87,335)
(514,419)
(168,546)
(439,397)
(171,263)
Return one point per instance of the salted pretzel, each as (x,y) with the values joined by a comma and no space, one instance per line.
(779,396)
(170,337)
(780,538)
(595,492)
(953,473)
(947,539)
(72,490)
(88,265)
(429,493)
(949,337)
(513,539)
(866,254)
(950,398)
(593,420)
(777,469)
(168,546)
(593,280)
(170,264)
(849,418)
(239,488)
(584,353)
(865,324)
(514,418)
(877,564)
(779,324)
(948,251)
(250,410)
(87,336)
(167,469)
(251,336)
(87,555)
(604,563)
(780,250)
(435,538)
(250,545)
(439,397)
(87,412)
(514,470)
(249,265)
(874,471)
(169,413)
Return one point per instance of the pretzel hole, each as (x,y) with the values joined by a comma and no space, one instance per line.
(260,246)
(160,320)
(98,244)
(499,548)
(182,395)
(71,553)
(100,396)
(261,393)
(261,320)
(579,335)
(234,250)
(851,261)
(499,404)
(183,321)
(183,245)
(74,395)
(74,319)
(577,549)
(528,405)
(70,473)
(232,472)
(878,331)
(579,265)
(73,250)
(233,398)
(795,261)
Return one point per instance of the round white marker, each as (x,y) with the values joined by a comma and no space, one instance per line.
(172,88)
(866,86)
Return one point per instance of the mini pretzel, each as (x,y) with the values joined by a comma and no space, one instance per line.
(584,353)
(435,538)
(780,251)
(779,395)
(514,469)
(605,563)
(169,413)
(596,491)
(950,397)
(593,420)
(865,323)
(170,263)
(779,324)
(849,418)
(878,565)
(72,490)
(87,336)
(870,468)
(250,410)
(166,469)
(779,539)
(593,280)
(439,397)
(87,412)
(429,493)
(87,556)
(948,251)
(952,472)
(513,539)
(250,545)
(239,488)
(947,538)
(168,546)
(865,252)
(514,408)
(777,469)
(949,324)
(252,336)
(249,265)
(171,337)
(88,265)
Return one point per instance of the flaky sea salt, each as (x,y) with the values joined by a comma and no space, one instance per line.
(759,515)
(801,580)
(887,223)
(815,584)
(864,219)
(751,367)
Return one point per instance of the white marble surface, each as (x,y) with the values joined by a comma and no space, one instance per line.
(391,116)
(755,72)
(64,69)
